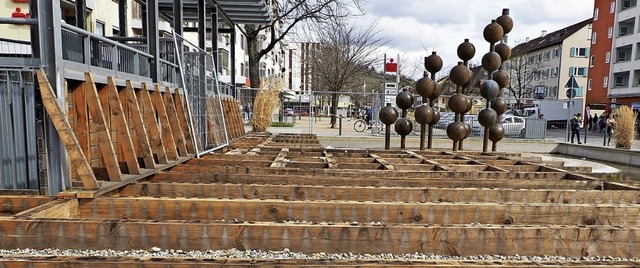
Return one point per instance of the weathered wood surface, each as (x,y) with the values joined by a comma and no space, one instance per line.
(379,194)
(458,240)
(149,208)
(12,204)
(382,179)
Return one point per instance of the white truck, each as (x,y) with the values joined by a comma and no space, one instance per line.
(554,110)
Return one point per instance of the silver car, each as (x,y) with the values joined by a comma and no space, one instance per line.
(513,126)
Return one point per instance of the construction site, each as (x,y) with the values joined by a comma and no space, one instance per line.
(133,155)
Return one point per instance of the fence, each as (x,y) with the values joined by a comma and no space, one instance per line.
(17,130)
(200,80)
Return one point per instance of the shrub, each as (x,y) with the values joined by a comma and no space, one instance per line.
(267,101)
(625,129)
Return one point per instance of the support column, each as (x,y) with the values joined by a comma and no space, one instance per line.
(81,14)
(152,38)
(232,62)
(122,18)
(214,35)
(177,16)
(50,43)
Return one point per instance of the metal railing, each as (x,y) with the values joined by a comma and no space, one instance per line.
(84,47)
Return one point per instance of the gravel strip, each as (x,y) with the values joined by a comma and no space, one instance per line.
(233,253)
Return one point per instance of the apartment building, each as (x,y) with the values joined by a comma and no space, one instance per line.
(551,59)
(600,59)
(624,81)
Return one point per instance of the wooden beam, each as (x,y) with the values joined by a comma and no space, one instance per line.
(184,116)
(60,209)
(279,161)
(157,144)
(426,160)
(68,138)
(174,122)
(331,162)
(377,194)
(383,162)
(364,238)
(167,135)
(124,137)
(368,180)
(139,126)
(105,143)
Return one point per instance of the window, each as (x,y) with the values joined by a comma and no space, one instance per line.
(554,72)
(610,32)
(591,60)
(579,52)
(531,59)
(622,55)
(619,81)
(607,58)
(545,74)
(595,14)
(547,55)
(589,84)
(593,37)
(578,71)
(223,61)
(242,69)
(553,91)
(539,57)
(100,28)
(537,75)
(624,30)
(605,82)
(556,53)
(612,7)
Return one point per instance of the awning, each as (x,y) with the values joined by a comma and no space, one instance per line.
(231,11)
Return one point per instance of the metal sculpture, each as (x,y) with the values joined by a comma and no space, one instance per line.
(424,113)
(388,115)
(404,126)
(459,103)
(492,88)
(433,64)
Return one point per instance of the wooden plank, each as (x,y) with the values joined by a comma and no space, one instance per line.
(363,238)
(331,162)
(167,135)
(478,162)
(183,116)
(59,209)
(442,213)
(81,119)
(378,194)
(383,162)
(157,144)
(68,138)
(139,126)
(124,137)
(105,143)
(279,161)
(426,160)
(365,180)
(174,122)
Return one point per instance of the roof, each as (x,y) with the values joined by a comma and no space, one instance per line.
(550,39)
(232,11)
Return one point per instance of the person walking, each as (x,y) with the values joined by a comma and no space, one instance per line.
(594,121)
(575,127)
(611,125)
(589,122)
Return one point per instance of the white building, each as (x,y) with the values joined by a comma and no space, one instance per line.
(625,67)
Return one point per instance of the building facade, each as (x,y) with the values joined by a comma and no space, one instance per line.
(546,63)
(600,59)
(624,74)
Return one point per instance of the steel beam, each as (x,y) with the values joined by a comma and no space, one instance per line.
(152,38)
(122,18)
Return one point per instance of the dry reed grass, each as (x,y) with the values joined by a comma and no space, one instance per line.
(625,129)
(267,101)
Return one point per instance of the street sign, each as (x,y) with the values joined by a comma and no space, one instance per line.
(572,83)
(571,93)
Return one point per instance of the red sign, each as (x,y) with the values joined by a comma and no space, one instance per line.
(391,67)
(21,1)
(18,14)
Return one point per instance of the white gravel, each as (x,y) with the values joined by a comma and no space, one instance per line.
(156,252)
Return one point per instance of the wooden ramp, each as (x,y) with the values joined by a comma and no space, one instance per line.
(261,194)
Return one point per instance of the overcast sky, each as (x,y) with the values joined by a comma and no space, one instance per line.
(420,26)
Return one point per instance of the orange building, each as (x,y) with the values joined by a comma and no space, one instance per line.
(604,13)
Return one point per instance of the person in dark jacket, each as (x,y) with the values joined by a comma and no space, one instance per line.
(575,127)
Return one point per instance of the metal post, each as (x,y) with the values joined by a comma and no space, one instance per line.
(340,126)
(177,16)
(233,61)
(122,18)
(50,37)
(152,38)
(214,34)
(81,14)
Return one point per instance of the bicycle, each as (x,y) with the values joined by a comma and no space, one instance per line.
(360,125)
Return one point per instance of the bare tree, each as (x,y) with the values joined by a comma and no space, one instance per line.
(344,56)
(287,15)
(523,69)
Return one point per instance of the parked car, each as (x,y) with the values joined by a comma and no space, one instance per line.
(513,126)
(288,111)
(445,120)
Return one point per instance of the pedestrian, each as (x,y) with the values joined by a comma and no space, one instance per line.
(611,126)
(248,110)
(575,127)
(602,123)
(589,122)
(595,121)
